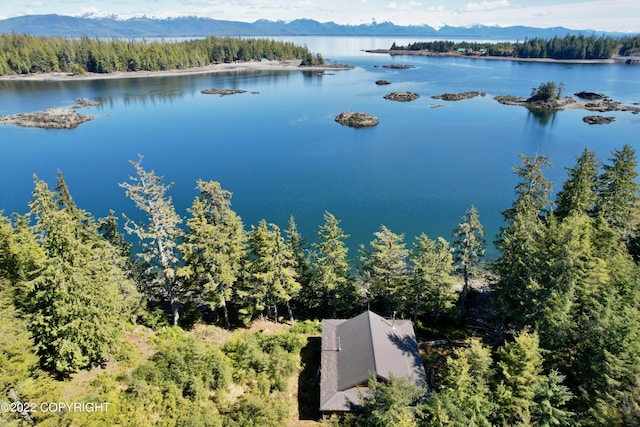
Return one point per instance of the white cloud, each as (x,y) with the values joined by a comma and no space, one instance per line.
(485,5)
(407,6)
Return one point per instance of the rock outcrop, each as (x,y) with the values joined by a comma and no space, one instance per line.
(591,96)
(399,66)
(53,118)
(222,92)
(383,82)
(598,120)
(402,96)
(458,96)
(84,102)
(357,119)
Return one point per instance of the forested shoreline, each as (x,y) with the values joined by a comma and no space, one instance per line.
(568,47)
(559,342)
(24,54)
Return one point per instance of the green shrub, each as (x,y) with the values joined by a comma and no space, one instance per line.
(312,327)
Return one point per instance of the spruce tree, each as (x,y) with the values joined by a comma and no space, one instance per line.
(82,296)
(524,394)
(298,247)
(579,192)
(386,264)
(213,247)
(465,398)
(271,273)
(618,198)
(468,249)
(432,276)
(331,276)
(159,236)
(519,266)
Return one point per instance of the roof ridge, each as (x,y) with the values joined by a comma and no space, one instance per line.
(373,346)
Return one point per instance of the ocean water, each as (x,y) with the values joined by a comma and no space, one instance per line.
(281,153)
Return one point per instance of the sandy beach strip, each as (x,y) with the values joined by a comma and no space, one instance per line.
(286,65)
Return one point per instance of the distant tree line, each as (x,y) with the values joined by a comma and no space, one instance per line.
(22,54)
(568,47)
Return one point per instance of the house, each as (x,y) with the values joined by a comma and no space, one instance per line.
(353,349)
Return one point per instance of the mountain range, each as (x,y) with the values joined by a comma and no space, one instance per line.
(70,26)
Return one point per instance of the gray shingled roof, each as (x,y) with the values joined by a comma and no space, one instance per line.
(353,349)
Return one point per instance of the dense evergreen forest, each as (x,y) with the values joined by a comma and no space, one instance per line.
(22,54)
(569,47)
(548,334)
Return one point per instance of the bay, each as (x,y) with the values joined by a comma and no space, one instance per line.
(281,153)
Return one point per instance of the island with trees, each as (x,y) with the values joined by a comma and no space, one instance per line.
(25,54)
(570,47)
(193,318)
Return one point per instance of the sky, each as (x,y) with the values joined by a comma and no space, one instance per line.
(598,15)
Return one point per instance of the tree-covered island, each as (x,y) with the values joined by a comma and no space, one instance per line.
(197,320)
(570,47)
(24,54)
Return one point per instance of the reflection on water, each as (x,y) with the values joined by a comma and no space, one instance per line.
(544,117)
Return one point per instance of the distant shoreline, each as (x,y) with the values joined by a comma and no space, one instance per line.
(397,52)
(285,65)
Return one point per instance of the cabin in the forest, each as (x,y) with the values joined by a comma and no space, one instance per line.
(353,349)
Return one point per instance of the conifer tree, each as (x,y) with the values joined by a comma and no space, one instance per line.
(396,402)
(331,267)
(580,190)
(519,241)
(432,277)
(468,249)
(388,271)
(159,235)
(525,396)
(76,305)
(271,272)
(618,198)
(465,398)
(298,247)
(213,247)
(108,228)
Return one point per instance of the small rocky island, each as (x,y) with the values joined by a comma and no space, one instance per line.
(222,92)
(458,96)
(603,105)
(357,119)
(598,120)
(402,96)
(53,118)
(383,82)
(548,97)
(399,66)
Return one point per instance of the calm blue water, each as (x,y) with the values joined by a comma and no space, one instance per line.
(281,152)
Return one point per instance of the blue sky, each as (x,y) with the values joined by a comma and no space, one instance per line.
(599,15)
